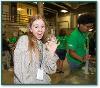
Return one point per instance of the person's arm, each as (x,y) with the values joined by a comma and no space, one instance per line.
(21,47)
(50,62)
(82,59)
(50,56)
(74,55)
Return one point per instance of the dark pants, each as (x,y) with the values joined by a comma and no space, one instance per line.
(61,54)
(75,66)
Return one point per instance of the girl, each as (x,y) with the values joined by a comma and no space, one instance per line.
(33,58)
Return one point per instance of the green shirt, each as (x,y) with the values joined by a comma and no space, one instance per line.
(77,42)
(63,42)
(12,40)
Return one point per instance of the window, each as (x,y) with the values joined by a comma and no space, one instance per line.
(29,11)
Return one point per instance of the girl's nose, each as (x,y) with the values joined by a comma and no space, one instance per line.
(40,29)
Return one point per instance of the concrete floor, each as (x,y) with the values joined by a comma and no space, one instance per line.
(66,78)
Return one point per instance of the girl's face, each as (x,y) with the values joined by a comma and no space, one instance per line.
(38,28)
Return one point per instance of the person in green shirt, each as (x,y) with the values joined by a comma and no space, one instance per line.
(12,42)
(77,42)
(14,38)
(61,49)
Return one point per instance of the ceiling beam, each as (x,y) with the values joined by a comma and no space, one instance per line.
(55,11)
(60,6)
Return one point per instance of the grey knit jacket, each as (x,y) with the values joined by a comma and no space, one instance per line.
(24,72)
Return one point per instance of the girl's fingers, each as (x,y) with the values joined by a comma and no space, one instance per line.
(58,43)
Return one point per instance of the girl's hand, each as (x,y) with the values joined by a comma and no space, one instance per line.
(52,44)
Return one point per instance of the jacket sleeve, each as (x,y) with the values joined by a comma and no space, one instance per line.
(18,53)
(50,62)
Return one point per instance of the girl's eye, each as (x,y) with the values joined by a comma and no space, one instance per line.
(36,26)
(43,26)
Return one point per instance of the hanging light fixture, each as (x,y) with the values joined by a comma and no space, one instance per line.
(64,11)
